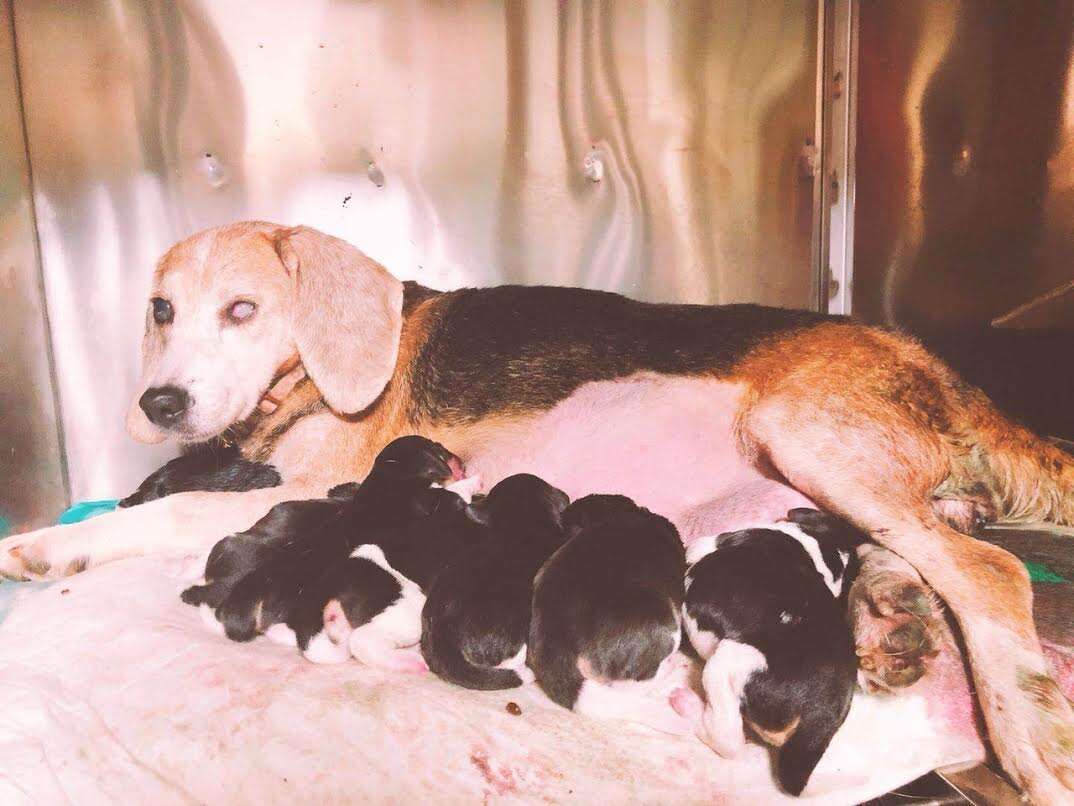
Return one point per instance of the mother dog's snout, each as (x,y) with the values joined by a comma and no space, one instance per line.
(164,405)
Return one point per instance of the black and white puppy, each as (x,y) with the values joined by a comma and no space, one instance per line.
(293,580)
(766,609)
(376,617)
(606,623)
(210,466)
(476,618)
(237,555)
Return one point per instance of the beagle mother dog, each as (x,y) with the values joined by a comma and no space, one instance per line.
(679,407)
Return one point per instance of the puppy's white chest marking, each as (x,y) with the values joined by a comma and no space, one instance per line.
(399,624)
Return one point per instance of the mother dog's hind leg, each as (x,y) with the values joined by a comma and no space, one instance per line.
(871,460)
(896,621)
(191,521)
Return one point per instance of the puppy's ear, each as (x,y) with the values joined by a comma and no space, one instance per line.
(347,316)
(477,510)
(828,529)
(802,752)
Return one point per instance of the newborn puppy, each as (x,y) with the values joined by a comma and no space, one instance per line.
(291,582)
(237,555)
(207,467)
(606,614)
(765,608)
(370,606)
(476,619)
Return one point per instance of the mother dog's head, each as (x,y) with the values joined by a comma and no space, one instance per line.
(231,306)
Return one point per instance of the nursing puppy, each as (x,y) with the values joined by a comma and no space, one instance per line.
(207,467)
(765,608)
(237,555)
(369,607)
(283,588)
(477,616)
(606,613)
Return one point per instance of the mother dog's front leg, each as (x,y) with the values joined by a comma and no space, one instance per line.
(191,521)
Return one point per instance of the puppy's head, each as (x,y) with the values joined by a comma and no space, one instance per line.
(232,306)
(593,510)
(414,458)
(521,498)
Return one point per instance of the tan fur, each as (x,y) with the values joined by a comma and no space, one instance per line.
(776,737)
(862,421)
(347,313)
(869,425)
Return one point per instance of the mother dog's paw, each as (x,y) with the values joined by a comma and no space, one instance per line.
(44,554)
(897,623)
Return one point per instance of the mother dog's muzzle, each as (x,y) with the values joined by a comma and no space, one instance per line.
(165,405)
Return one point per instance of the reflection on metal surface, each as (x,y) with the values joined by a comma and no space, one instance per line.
(965,188)
(31,470)
(653,149)
(836,105)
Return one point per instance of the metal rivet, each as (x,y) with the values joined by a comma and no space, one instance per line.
(593,166)
(375,175)
(963,158)
(213,170)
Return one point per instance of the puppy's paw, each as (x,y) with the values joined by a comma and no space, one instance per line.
(45,554)
(410,661)
(687,704)
(896,620)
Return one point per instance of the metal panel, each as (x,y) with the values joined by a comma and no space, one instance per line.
(833,239)
(31,471)
(965,187)
(659,149)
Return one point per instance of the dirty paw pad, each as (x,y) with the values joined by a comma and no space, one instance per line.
(895,623)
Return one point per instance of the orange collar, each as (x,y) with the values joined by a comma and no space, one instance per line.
(287,377)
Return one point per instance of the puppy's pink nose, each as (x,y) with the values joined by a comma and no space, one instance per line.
(458,472)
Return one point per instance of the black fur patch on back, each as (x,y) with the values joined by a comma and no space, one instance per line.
(477,614)
(526,348)
(209,467)
(610,596)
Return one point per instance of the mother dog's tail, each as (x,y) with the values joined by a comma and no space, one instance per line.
(1027,478)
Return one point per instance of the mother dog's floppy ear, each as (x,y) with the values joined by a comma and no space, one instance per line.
(347,316)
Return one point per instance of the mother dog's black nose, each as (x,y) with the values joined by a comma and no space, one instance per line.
(164,405)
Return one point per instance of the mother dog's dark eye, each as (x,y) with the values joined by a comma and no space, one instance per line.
(162,311)
(241,311)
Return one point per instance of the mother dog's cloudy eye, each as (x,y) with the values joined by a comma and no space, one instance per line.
(163,312)
(241,311)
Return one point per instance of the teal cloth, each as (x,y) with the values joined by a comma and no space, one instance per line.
(84,510)
(73,514)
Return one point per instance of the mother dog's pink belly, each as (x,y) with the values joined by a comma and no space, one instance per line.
(666,442)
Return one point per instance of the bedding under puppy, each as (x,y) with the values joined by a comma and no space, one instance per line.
(476,618)
(765,608)
(606,627)
(282,589)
